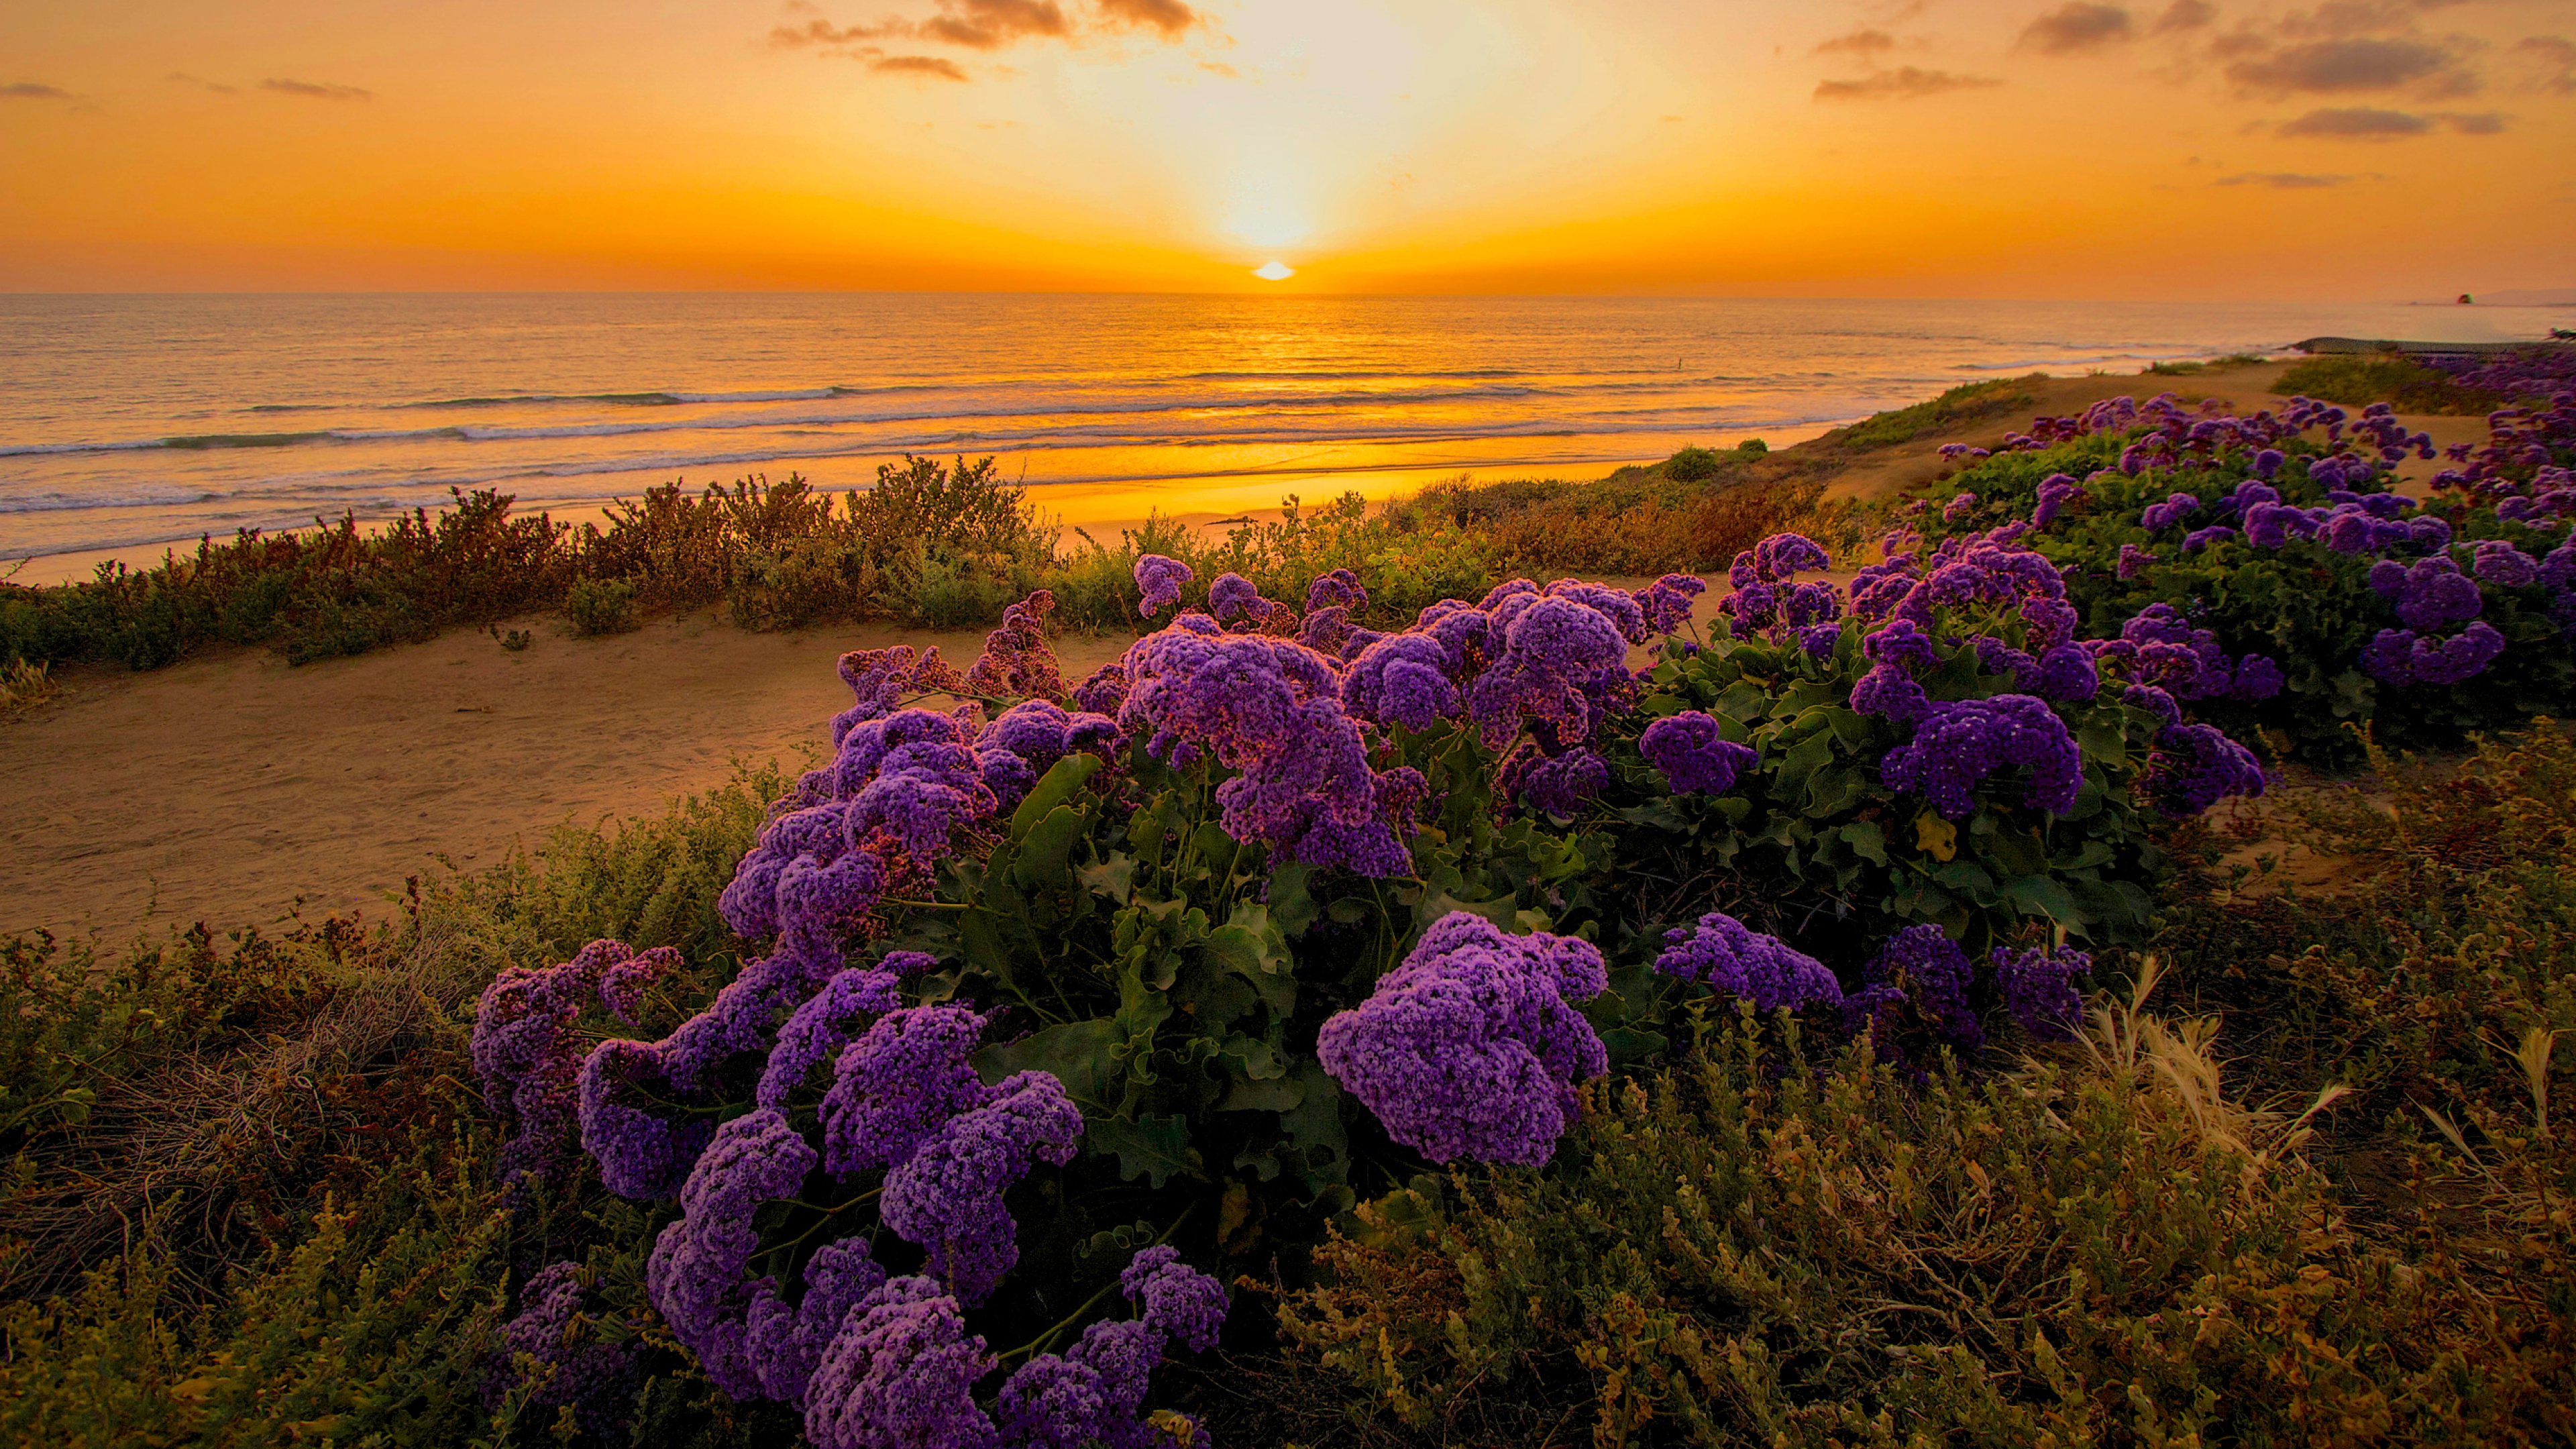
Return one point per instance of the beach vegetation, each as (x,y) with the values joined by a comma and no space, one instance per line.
(1966,403)
(2358,378)
(24,684)
(601,606)
(1691,465)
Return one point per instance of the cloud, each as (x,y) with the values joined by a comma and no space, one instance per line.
(986,25)
(181,77)
(318,91)
(2185,15)
(1171,17)
(30,91)
(2556,56)
(2328,66)
(2283,180)
(1863,43)
(2363,123)
(2076,27)
(1902,84)
(925,65)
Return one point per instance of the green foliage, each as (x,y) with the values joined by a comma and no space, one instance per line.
(1968,402)
(1814,846)
(1743,1249)
(2357,378)
(601,606)
(1691,465)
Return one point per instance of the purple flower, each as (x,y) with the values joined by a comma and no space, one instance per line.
(1179,1301)
(596,1380)
(1553,649)
(2175,508)
(900,1374)
(2436,594)
(1931,972)
(947,1196)
(1233,594)
(2057,493)
(895,1086)
(1471,1047)
(529,1055)
(1557,785)
(1016,662)
(2501,564)
(2399,657)
(2193,767)
(640,1155)
(2039,989)
(1159,579)
(2200,538)
(820,1027)
(698,1276)
(2132,560)
(2257,678)
(1958,744)
(1666,603)
(1734,960)
(1105,692)
(1339,589)
(1405,679)
(784,1343)
(1962,505)
(1692,754)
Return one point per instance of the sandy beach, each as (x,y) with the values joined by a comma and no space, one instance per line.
(229,787)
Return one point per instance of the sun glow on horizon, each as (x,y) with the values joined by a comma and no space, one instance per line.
(1274,270)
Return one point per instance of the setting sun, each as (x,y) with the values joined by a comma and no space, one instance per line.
(1274,271)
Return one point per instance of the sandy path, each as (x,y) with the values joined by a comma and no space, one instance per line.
(222,788)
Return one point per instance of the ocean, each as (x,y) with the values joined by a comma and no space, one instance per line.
(138,420)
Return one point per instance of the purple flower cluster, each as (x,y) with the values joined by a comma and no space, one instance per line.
(1927,970)
(1667,601)
(901,1371)
(1960,506)
(1956,745)
(1159,579)
(2400,657)
(1557,785)
(2158,646)
(1768,601)
(2057,493)
(2193,767)
(1016,663)
(528,1054)
(596,1380)
(1471,1048)
(1693,755)
(2038,988)
(1732,959)
(1271,710)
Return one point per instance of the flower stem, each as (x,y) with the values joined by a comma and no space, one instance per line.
(1039,1343)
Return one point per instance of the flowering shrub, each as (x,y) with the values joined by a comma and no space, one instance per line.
(2277,537)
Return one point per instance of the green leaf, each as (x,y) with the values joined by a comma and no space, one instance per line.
(1149,1147)
(1114,878)
(1250,945)
(1045,859)
(1867,839)
(1056,787)
(1291,905)
(1076,1054)
(2042,895)
(1264,1094)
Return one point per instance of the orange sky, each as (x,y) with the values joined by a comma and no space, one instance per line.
(2354,148)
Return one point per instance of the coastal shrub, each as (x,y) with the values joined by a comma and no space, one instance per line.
(2279,535)
(601,606)
(1691,465)
(2357,379)
(1757,1245)
(1968,402)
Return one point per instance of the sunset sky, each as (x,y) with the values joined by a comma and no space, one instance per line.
(1962,148)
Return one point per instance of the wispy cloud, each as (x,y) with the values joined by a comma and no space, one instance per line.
(2555,57)
(2367,123)
(1863,43)
(181,77)
(2283,180)
(2185,15)
(31,91)
(939,67)
(317,90)
(2076,27)
(1905,83)
(981,25)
